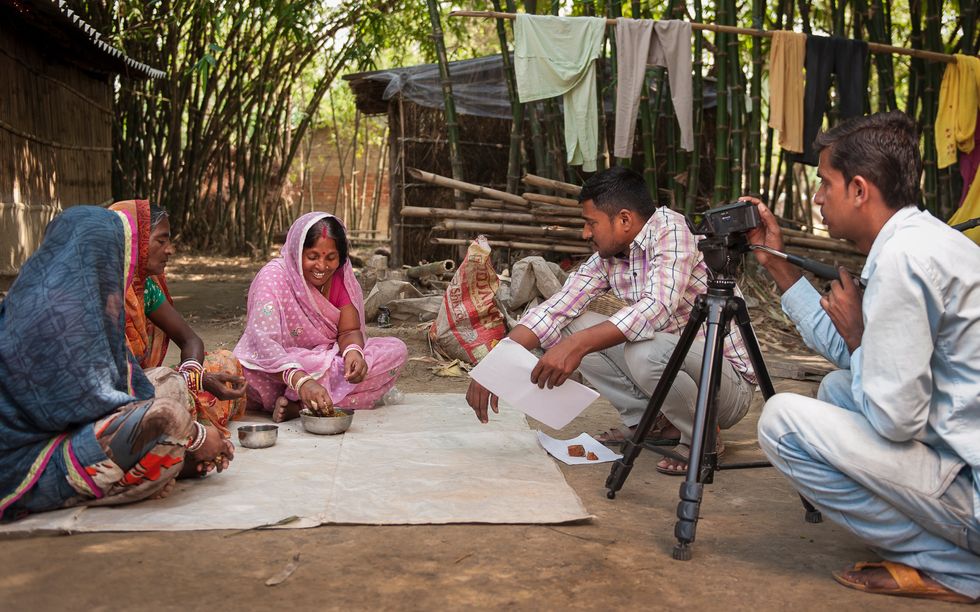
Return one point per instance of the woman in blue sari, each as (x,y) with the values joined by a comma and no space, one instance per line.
(80,421)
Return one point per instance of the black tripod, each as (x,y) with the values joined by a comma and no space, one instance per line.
(719,306)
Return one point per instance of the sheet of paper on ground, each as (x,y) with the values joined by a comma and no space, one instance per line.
(559,449)
(427,460)
(506,372)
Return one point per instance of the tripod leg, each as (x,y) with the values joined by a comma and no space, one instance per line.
(701,464)
(631,448)
(752,346)
(765,382)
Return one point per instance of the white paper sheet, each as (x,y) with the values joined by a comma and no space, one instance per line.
(559,449)
(506,372)
(427,460)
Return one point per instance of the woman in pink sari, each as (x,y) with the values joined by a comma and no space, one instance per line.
(305,343)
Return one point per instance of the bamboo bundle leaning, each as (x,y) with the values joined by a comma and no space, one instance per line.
(503,228)
(529,246)
(549,199)
(443,181)
(547,183)
(480,215)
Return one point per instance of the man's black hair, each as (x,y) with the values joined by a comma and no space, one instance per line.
(333,230)
(617,188)
(883,148)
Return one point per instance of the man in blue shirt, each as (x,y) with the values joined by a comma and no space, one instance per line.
(890,448)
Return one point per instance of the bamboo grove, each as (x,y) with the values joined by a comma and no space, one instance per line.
(734,147)
(214,140)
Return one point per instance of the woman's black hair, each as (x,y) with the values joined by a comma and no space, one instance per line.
(333,229)
(157,215)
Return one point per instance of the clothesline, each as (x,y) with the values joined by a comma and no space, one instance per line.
(931,56)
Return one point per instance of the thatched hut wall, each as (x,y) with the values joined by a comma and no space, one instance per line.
(55,120)
(419,139)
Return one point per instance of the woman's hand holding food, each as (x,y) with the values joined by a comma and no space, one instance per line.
(355,368)
(315,397)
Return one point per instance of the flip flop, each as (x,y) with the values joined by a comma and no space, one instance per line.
(684,450)
(908,580)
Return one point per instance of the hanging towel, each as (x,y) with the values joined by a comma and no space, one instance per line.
(825,56)
(786,56)
(554,56)
(640,42)
(959,98)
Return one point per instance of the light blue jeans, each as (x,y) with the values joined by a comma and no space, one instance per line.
(908,502)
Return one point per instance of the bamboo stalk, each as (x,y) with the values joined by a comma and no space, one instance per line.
(802,238)
(503,228)
(872,47)
(444,181)
(452,123)
(722,141)
(547,183)
(528,246)
(495,204)
(694,170)
(516,109)
(530,196)
(479,215)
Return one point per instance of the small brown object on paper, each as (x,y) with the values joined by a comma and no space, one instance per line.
(592,456)
(576,450)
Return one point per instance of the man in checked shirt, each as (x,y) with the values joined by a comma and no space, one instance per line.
(647,257)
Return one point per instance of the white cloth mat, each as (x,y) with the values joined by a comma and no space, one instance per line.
(427,460)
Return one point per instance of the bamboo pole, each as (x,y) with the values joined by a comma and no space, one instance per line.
(722,141)
(495,204)
(516,109)
(452,124)
(547,183)
(872,47)
(503,228)
(755,93)
(479,215)
(526,246)
(444,181)
(694,170)
(530,196)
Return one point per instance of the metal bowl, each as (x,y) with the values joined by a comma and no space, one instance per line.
(327,425)
(258,436)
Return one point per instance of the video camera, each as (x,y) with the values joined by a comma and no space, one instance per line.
(725,230)
(725,220)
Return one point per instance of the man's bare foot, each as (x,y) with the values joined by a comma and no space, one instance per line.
(284,410)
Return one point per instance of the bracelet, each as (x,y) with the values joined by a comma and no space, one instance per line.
(353,347)
(193,373)
(198,441)
(303,381)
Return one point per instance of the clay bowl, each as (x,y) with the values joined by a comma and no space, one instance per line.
(325,426)
(258,436)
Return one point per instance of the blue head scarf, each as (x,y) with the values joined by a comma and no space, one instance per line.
(64,362)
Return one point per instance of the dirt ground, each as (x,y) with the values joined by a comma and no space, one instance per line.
(753,549)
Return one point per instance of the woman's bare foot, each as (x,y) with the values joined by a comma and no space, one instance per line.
(284,410)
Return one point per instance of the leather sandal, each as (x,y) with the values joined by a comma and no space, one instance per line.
(908,582)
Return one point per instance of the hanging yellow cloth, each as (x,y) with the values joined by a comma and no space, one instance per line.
(959,100)
(786,58)
(956,122)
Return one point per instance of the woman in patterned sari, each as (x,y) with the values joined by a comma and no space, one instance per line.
(152,320)
(80,421)
(305,342)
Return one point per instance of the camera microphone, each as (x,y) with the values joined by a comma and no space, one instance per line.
(822,270)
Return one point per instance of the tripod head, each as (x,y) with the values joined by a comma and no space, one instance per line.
(726,238)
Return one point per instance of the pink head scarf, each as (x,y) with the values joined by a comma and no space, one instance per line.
(290,324)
